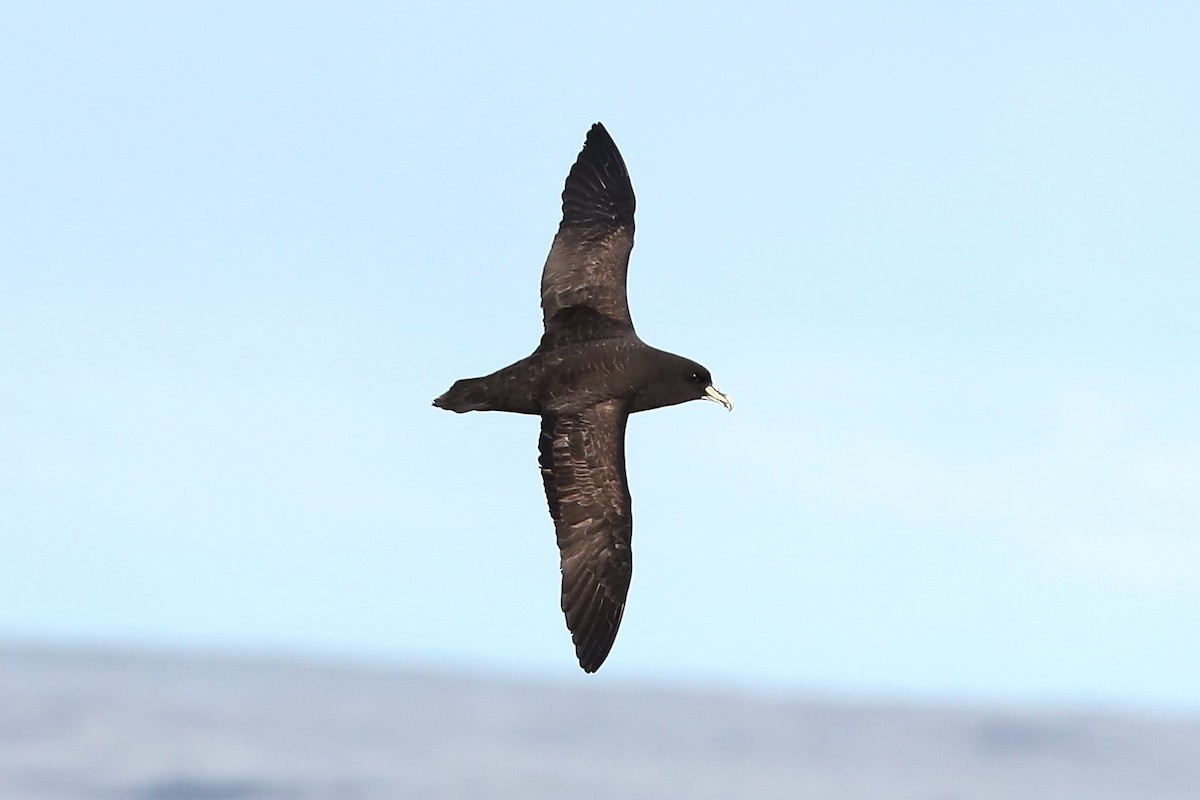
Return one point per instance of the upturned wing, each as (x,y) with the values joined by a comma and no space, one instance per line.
(582,457)
(589,259)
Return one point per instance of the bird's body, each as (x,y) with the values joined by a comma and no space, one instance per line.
(588,374)
(568,379)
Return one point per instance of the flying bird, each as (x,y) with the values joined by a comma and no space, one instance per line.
(588,374)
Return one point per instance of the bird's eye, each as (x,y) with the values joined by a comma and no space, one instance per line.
(695,377)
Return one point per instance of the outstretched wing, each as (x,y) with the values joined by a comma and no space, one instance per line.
(583,468)
(589,259)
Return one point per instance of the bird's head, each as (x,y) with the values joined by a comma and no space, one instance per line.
(678,380)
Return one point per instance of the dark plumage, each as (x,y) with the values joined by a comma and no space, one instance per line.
(588,374)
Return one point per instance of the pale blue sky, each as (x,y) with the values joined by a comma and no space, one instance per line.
(944,257)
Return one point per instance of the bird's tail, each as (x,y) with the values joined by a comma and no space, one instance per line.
(467,394)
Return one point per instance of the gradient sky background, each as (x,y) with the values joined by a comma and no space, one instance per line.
(944,257)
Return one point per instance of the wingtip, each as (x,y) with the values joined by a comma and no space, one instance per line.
(592,651)
(598,133)
(590,665)
(598,190)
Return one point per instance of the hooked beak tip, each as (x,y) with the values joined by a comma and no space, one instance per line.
(712,393)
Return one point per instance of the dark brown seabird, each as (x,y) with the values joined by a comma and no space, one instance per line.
(588,374)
